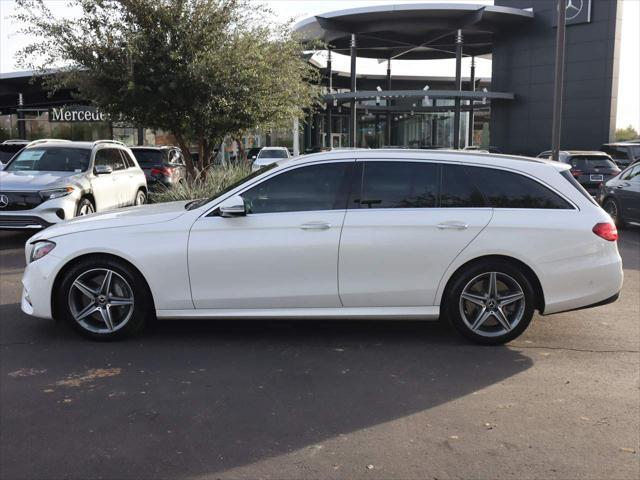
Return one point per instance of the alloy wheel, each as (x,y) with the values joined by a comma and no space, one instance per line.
(101,301)
(492,304)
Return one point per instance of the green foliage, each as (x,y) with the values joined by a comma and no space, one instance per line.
(626,134)
(200,69)
(203,186)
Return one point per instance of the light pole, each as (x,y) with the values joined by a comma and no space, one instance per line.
(556,132)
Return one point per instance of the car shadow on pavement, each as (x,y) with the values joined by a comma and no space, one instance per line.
(193,399)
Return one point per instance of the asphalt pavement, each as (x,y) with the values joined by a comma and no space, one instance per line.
(315,400)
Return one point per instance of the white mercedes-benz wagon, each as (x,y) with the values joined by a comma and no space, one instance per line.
(483,240)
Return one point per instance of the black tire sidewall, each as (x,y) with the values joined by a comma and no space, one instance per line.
(84,201)
(465,276)
(619,221)
(142,305)
(144,196)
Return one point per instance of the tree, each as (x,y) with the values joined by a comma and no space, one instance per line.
(200,69)
(625,134)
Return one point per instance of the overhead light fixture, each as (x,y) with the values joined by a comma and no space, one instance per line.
(425,100)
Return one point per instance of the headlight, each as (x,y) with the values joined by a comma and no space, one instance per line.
(55,193)
(40,249)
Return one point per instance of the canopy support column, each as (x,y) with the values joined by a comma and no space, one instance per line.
(472,102)
(353,124)
(329,120)
(388,123)
(458,87)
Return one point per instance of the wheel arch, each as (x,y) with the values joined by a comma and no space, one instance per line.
(74,261)
(526,269)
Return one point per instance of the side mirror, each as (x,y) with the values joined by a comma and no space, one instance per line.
(233,207)
(103,170)
(254,157)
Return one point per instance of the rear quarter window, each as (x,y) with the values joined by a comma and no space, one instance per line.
(503,189)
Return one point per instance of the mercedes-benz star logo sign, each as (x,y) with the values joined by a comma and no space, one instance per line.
(574,7)
(4,201)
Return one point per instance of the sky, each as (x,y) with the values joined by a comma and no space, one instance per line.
(629,86)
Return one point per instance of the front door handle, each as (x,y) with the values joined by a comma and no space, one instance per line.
(453,226)
(316,226)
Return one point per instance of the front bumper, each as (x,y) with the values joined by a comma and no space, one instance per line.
(40,217)
(37,284)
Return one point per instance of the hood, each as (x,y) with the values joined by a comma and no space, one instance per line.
(34,180)
(123,217)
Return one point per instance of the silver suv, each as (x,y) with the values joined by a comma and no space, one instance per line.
(54,180)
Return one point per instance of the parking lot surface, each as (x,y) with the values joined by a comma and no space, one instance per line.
(339,399)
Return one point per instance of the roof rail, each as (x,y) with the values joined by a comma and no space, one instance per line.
(116,142)
(14,141)
(47,140)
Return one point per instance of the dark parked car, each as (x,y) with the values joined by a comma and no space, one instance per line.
(162,165)
(9,148)
(623,153)
(620,196)
(590,169)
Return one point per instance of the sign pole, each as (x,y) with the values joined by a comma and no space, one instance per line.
(556,132)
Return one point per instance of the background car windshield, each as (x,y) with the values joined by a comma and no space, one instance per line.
(55,159)
(8,151)
(148,158)
(273,154)
(586,163)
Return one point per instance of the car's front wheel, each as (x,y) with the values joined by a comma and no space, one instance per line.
(491,302)
(141,198)
(104,299)
(84,207)
(613,209)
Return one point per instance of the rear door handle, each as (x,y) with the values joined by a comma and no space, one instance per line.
(453,226)
(315,226)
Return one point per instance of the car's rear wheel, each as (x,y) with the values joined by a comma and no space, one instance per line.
(491,302)
(84,207)
(613,209)
(104,299)
(141,198)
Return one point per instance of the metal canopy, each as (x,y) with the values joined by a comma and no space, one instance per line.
(412,31)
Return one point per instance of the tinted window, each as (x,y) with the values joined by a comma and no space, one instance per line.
(619,153)
(457,189)
(588,163)
(398,185)
(510,190)
(317,187)
(126,159)
(273,154)
(632,174)
(53,159)
(109,157)
(148,158)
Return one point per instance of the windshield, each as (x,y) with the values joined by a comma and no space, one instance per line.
(52,159)
(273,154)
(586,163)
(148,158)
(198,203)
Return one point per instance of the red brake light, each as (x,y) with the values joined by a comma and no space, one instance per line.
(608,231)
(165,171)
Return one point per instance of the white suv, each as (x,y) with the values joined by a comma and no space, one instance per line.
(481,239)
(54,180)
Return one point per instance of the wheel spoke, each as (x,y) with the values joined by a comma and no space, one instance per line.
(477,299)
(106,317)
(502,318)
(493,285)
(85,312)
(119,301)
(106,283)
(482,317)
(89,292)
(509,299)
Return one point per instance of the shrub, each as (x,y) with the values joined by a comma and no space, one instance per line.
(217,179)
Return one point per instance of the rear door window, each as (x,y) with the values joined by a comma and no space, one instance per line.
(398,185)
(503,189)
(458,190)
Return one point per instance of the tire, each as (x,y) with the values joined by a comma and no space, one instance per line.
(85,207)
(498,318)
(101,312)
(612,207)
(141,198)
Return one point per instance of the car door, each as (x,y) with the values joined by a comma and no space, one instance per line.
(283,253)
(399,238)
(106,191)
(627,190)
(132,177)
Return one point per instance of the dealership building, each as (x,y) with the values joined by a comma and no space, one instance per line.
(410,75)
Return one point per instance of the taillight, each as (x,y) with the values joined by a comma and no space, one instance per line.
(165,171)
(576,173)
(608,231)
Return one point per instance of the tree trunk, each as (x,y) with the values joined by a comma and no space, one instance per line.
(242,158)
(191,169)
